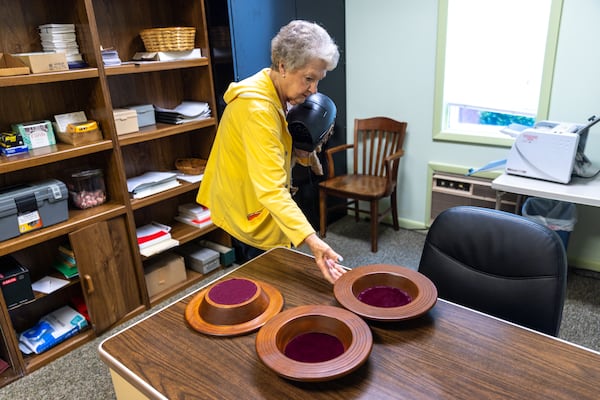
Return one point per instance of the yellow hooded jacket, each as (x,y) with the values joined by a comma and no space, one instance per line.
(246,182)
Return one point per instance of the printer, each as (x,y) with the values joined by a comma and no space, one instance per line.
(552,151)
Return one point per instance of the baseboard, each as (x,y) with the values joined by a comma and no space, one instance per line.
(592,265)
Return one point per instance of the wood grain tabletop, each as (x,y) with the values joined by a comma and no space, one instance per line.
(450,352)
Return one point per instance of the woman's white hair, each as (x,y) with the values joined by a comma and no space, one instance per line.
(300,42)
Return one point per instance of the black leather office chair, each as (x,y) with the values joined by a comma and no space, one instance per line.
(499,263)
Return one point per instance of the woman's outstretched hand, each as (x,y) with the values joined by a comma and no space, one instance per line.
(326,258)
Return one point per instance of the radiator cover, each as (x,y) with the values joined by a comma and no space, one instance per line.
(450,190)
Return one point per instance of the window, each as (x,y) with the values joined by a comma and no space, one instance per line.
(494,67)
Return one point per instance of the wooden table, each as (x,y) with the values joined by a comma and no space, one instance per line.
(449,353)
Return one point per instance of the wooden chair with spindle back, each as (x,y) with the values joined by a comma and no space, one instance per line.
(377,149)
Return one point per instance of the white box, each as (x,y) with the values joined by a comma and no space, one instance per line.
(125,121)
(199,259)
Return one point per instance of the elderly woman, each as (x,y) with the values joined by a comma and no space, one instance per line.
(246,182)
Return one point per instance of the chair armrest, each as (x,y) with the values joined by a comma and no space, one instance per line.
(391,168)
(330,152)
(393,156)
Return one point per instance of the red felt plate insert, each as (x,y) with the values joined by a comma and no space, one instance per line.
(313,347)
(384,296)
(232,291)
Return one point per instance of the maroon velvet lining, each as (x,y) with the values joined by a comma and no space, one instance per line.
(232,291)
(313,347)
(384,296)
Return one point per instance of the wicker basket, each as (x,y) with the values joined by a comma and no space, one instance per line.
(190,166)
(168,39)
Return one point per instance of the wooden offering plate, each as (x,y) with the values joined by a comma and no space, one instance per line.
(233,307)
(382,292)
(314,343)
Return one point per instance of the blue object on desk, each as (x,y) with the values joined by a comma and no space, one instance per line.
(489,166)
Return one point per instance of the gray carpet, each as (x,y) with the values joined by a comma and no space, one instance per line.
(81,375)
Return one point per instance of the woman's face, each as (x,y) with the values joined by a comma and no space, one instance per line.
(301,83)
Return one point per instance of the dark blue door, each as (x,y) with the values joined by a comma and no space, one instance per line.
(253,23)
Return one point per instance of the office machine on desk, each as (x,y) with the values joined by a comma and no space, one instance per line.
(552,151)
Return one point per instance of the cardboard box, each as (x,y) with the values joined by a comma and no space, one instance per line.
(125,121)
(163,272)
(74,128)
(62,121)
(32,206)
(10,66)
(15,282)
(77,139)
(44,61)
(36,134)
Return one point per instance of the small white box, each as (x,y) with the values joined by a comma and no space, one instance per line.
(199,259)
(125,121)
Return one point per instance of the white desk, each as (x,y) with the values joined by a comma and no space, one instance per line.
(579,190)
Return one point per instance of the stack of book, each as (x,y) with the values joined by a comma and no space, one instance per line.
(154,238)
(60,38)
(194,214)
(110,57)
(150,183)
(187,111)
(65,263)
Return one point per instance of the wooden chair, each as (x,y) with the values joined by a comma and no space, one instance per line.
(377,149)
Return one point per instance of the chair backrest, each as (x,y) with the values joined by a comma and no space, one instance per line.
(375,139)
(499,263)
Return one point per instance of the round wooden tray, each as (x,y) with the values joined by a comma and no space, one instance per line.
(422,291)
(352,331)
(213,318)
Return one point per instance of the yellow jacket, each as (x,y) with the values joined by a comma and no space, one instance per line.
(246,182)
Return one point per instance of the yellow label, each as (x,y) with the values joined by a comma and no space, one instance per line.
(82,127)
(29,221)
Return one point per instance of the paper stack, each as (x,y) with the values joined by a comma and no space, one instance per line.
(154,238)
(150,183)
(61,38)
(168,55)
(187,111)
(194,214)
(48,284)
(110,57)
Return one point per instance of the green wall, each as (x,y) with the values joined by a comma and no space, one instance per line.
(390,53)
